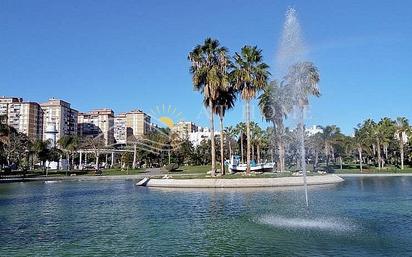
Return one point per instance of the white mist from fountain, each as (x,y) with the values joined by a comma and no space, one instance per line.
(298,79)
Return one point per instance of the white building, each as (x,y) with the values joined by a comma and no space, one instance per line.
(59,113)
(310,131)
(202,134)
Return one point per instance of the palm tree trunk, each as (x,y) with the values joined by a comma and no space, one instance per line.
(68,161)
(282,156)
(253,152)
(271,155)
(230,148)
(402,154)
(222,156)
(258,153)
(134,157)
(327,154)
(340,161)
(379,155)
(248,136)
(360,158)
(302,152)
(212,138)
(241,146)
(97,160)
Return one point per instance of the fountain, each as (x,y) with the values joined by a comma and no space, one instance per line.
(300,80)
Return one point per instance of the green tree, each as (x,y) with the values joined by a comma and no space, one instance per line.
(230,133)
(401,135)
(274,104)
(241,131)
(330,137)
(225,101)
(41,150)
(249,77)
(69,144)
(302,81)
(209,69)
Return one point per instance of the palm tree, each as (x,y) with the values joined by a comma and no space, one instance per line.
(401,134)
(330,137)
(230,133)
(274,106)
(69,144)
(256,140)
(241,131)
(360,140)
(41,150)
(316,145)
(386,131)
(302,81)
(225,101)
(249,76)
(209,64)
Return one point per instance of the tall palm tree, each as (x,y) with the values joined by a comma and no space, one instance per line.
(225,101)
(386,131)
(401,134)
(209,64)
(230,133)
(256,139)
(330,137)
(274,104)
(360,140)
(249,76)
(302,81)
(241,131)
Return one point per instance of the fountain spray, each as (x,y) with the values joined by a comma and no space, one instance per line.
(301,78)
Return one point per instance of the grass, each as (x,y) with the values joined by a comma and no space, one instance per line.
(119,172)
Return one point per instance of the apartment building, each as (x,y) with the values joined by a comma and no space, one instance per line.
(137,123)
(120,129)
(25,117)
(60,114)
(5,103)
(184,128)
(98,122)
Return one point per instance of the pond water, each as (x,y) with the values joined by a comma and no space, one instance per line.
(370,216)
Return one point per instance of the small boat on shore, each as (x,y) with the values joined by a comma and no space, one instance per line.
(236,166)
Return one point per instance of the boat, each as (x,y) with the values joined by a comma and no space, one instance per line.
(236,166)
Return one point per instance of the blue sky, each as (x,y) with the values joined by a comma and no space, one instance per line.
(132,54)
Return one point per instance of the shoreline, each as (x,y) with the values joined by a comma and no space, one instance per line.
(375,175)
(142,176)
(240,182)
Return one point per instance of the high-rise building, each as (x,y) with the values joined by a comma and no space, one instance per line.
(184,128)
(95,123)
(59,113)
(25,117)
(120,129)
(5,102)
(137,123)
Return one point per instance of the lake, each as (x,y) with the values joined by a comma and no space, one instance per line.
(369,216)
